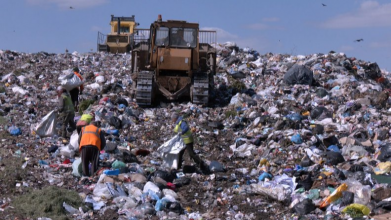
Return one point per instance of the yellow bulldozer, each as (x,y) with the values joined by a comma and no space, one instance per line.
(119,40)
(173,59)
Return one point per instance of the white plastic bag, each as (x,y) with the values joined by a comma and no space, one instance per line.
(170,192)
(47,126)
(23,80)
(100,79)
(236,100)
(70,81)
(75,167)
(6,77)
(102,191)
(170,151)
(94,86)
(66,152)
(74,142)
(17,89)
(152,187)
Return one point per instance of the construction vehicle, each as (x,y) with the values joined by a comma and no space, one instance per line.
(174,60)
(119,40)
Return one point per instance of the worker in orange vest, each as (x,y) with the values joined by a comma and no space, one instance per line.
(91,142)
(76,91)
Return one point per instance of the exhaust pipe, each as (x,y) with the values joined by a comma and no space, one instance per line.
(159,18)
(119,26)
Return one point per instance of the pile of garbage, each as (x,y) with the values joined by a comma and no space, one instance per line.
(287,136)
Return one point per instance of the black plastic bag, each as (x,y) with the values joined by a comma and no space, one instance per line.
(320,92)
(232,60)
(52,149)
(129,157)
(347,198)
(318,129)
(317,111)
(304,207)
(356,167)
(183,181)
(382,134)
(359,176)
(339,174)
(116,122)
(331,140)
(385,153)
(175,207)
(124,170)
(121,101)
(305,181)
(216,124)
(372,71)
(384,204)
(298,74)
(168,177)
(216,166)
(334,158)
(160,185)
(189,169)
(306,162)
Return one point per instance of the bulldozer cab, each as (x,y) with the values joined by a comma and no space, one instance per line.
(174,48)
(176,37)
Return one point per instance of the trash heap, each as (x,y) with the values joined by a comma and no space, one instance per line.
(286,137)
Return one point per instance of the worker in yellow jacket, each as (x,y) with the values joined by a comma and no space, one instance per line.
(182,128)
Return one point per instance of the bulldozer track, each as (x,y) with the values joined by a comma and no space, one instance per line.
(200,90)
(144,90)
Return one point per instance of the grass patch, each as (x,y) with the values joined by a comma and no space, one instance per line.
(3,121)
(46,202)
(354,213)
(11,173)
(237,84)
(18,72)
(230,113)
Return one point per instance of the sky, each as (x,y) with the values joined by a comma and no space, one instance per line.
(300,27)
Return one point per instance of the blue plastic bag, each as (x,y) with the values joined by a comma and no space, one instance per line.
(334,148)
(294,117)
(265,175)
(14,131)
(111,172)
(113,132)
(296,139)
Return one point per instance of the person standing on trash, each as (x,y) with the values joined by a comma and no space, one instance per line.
(91,142)
(76,91)
(66,111)
(84,121)
(182,128)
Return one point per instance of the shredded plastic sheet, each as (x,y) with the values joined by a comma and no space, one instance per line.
(47,126)
(170,151)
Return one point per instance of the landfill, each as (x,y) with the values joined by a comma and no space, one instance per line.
(286,137)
